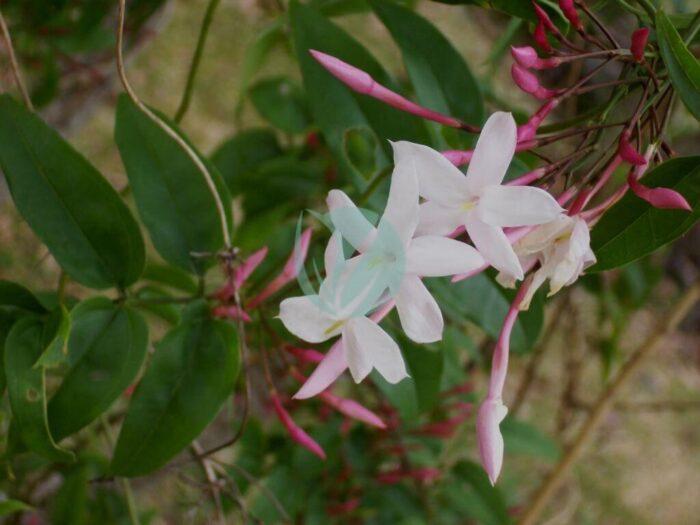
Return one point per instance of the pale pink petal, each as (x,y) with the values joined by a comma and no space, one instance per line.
(401,209)
(493,152)
(436,219)
(333,254)
(325,373)
(419,313)
(352,409)
(438,179)
(517,206)
(305,318)
(367,347)
(493,245)
(488,421)
(434,256)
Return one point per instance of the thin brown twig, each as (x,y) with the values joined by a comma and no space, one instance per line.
(604,405)
(14,64)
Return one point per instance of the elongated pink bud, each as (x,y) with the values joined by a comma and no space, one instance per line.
(528,130)
(567,7)
(231,312)
(488,429)
(527,178)
(363,83)
(352,409)
(458,157)
(306,355)
(529,83)
(543,17)
(540,37)
(296,432)
(628,153)
(663,198)
(639,43)
(289,272)
(527,57)
(242,272)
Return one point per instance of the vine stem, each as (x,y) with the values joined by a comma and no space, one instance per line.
(167,128)
(196,59)
(604,404)
(14,65)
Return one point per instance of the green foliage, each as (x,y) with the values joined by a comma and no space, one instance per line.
(191,374)
(106,348)
(683,67)
(17,296)
(633,228)
(68,204)
(174,200)
(282,103)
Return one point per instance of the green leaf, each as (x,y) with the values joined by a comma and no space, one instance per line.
(440,76)
(170,276)
(282,103)
(482,502)
(243,153)
(17,296)
(169,312)
(519,8)
(484,302)
(633,228)
(7,320)
(69,205)
(106,348)
(173,198)
(425,365)
(335,107)
(26,386)
(10,506)
(361,149)
(57,351)
(192,373)
(683,67)
(526,439)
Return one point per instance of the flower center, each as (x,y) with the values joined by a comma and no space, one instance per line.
(334,326)
(469,205)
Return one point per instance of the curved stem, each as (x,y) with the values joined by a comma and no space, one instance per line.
(604,404)
(167,128)
(196,58)
(14,65)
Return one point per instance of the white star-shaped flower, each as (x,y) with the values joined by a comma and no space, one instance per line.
(479,201)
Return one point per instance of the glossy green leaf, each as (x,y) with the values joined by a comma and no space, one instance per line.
(335,107)
(7,320)
(440,76)
(69,205)
(173,198)
(192,373)
(59,323)
(362,149)
(170,276)
(425,366)
(154,300)
(26,386)
(633,228)
(282,103)
(683,67)
(482,502)
(485,303)
(10,506)
(17,296)
(106,348)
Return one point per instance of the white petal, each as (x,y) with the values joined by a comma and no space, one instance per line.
(436,219)
(517,206)
(438,179)
(434,256)
(402,206)
(348,219)
(420,315)
(333,256)
(542,237)
(367,346)
(304,317)
(493,153)
(327,371)
(493,245)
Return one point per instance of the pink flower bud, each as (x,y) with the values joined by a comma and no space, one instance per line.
(528,130)
(628,153)
(543,17)
(247,267)
(289,272)
(529,83)
(352,409)
(540,36)
(458,157)
(231,312)
(306,355)
(527,57)
(363,83)
(295,432)
(663,198)
(567,7)
(639,42)
(488,429)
